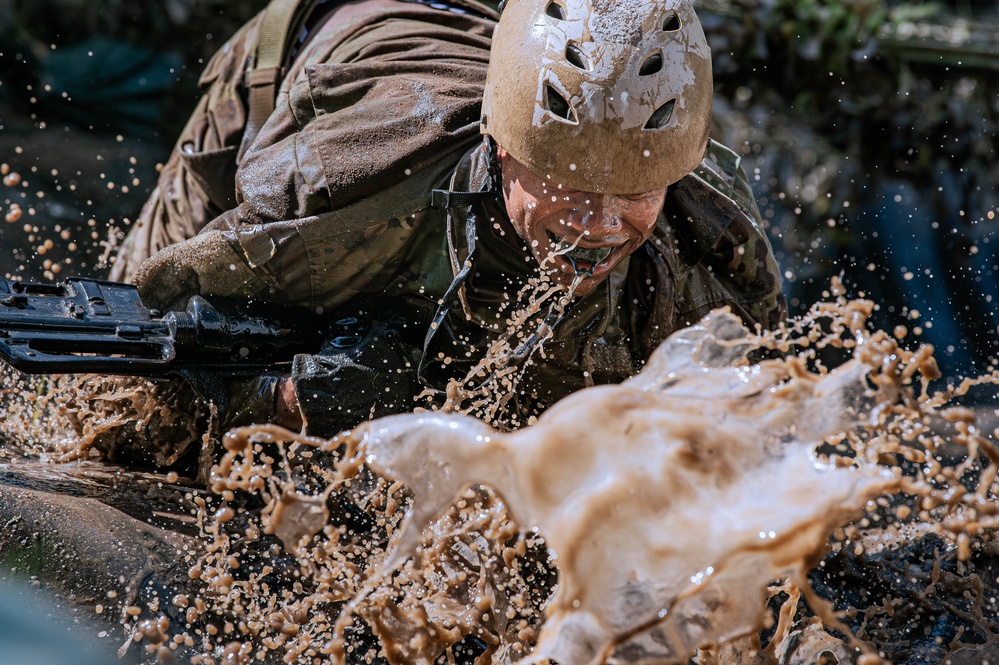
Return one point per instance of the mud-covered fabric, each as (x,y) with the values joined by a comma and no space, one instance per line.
(381,100)
(333,207)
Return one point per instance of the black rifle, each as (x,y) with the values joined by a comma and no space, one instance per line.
(94,326)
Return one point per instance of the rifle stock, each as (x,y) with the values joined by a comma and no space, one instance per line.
(86,325)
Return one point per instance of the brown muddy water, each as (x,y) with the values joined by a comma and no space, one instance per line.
(794,497)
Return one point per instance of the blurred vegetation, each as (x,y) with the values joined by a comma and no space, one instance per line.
(163,43)
(871,132)
(842,69)
(195,28)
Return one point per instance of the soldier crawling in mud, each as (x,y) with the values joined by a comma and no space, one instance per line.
(404,170)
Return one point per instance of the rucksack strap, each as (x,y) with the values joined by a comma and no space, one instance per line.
(278,28)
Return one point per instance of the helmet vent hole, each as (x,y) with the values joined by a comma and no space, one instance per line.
(557,104)
(662,116)
(575,56)
(671,24)
(555,11)
(652,65)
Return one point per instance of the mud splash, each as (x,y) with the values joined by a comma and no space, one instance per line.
(113,418)
(636,523)
(632,523)
(485,391)
(648,493)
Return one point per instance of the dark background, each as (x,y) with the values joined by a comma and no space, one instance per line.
(868,128)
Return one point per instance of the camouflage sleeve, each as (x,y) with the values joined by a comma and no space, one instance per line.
(196,183)
(283,241)
(729,258)
(753,257)
(753,261)
(176,210)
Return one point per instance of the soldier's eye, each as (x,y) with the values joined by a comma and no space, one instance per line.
(641,196)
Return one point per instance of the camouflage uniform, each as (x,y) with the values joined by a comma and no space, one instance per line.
(333,210)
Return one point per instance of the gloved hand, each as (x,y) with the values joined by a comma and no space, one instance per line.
(203,265)
(367,369)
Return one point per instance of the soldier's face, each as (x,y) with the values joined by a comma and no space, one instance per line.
(601,229)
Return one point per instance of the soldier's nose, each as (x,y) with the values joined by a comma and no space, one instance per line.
(598,220)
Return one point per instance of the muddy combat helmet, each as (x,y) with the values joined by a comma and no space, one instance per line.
(600,95)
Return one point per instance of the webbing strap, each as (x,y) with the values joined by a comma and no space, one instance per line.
(442,199)
(449,199)
(276,32)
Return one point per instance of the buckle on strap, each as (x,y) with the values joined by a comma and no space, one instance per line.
(442,199)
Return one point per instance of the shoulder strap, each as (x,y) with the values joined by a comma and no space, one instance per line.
(448,200)
(278,28)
